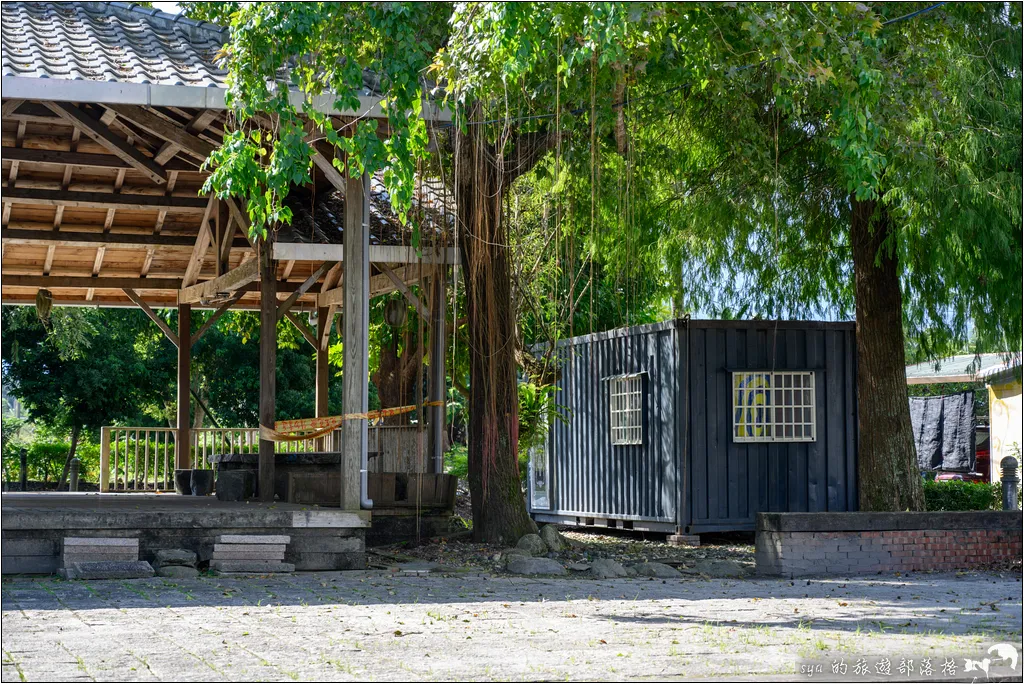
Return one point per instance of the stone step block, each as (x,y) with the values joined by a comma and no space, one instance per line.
(172,557)
(29,547)
(253,539)
(126,552)
(127,542)
(104,570)
(69,558)
(248,551)
(251,566)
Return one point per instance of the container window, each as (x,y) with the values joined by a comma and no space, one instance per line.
(625,399)
(773,407)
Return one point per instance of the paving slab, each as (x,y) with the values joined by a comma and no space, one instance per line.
(131,542)
(381,626)
(251,566)
(253,551)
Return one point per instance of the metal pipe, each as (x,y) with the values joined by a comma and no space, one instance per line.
(365,501)
(1009,480)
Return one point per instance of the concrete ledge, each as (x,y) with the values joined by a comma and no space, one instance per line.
(856,522)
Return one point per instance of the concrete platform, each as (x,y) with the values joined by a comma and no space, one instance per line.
(34,524)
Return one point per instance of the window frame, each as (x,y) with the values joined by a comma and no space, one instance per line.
(777,417)
(627,433)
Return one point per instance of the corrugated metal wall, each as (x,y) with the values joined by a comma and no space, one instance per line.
(688,420)
(728,482)
(589,476)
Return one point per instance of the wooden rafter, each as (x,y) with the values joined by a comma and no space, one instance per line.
(103,200)
(231,281)
(160,322)
(68,238)
(221,310)
(303,288)
(85,159)
(84,282)
(202,245)
(406,291)
(164,129)
(302,328)
(96,129)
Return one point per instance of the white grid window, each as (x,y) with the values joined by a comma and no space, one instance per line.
(626,402)
(773,407)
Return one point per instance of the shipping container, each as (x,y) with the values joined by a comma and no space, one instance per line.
(692,426)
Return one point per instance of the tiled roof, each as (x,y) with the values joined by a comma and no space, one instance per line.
(112,42)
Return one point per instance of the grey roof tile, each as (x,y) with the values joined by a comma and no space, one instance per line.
(114,41)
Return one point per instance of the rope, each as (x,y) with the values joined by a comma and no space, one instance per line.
(318,427)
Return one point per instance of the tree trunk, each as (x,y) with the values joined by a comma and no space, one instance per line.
(75,431)
(889,476)
(499,508)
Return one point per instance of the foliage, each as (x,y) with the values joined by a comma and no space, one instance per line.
(456,461)
(45,458)
(961,495)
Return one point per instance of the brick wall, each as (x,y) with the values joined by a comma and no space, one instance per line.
(793,544)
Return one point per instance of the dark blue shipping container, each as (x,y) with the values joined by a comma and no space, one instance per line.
(695,426)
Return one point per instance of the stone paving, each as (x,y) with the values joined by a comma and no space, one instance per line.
(375,625)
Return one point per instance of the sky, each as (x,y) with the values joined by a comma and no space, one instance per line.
(169,7)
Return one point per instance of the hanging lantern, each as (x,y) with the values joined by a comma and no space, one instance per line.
(44,303)
(395,312)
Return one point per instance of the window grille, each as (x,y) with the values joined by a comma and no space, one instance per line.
(773,407)
(625,394)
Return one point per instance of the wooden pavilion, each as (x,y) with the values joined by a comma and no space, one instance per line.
(109,110)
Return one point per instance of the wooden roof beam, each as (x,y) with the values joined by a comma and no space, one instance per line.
(164,129)
(101,133)
(160,322)
(231,281)
(64,238)
(102,200)
(85,159)
(283,308)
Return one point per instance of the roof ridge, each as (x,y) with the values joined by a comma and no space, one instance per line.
(153,13)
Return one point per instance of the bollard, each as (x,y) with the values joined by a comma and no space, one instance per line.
(23,455)
(1009,479)
(76,467)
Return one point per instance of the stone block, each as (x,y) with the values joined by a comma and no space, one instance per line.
(70,558)
(29,547)
(522,565)
(328,561)
(180,557)
(253,539)
(248,551)
(236,485)
(659,570)
(126,542)
(258,567)
(684,539)
(28,565)
(104,570)
(122,552)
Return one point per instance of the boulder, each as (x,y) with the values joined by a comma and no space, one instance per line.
(606,568)
(578,567)
(166,557)
(554,540)
(659,570)
(521,565)
(533,545)
(177,571)
(719,568)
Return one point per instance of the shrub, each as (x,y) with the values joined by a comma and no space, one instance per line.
(960,495)
(456,461)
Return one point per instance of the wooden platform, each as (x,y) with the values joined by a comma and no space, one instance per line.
(34,524)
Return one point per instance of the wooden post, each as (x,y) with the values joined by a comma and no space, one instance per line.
(183,438)
(322,367)
(355,379)
(268,365)
(104,459)
(437,383)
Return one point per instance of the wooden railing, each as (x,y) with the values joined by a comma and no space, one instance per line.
(137,459)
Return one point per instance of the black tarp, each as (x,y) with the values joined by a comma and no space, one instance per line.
(944,431)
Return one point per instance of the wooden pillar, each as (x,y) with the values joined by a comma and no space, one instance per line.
(183,440)
(437,382)
(268,365)
(322,367)
(355,379)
